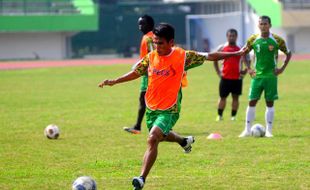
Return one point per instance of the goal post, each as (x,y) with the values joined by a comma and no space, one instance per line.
(207,32)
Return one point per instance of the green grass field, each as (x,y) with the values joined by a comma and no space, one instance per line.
(93,143)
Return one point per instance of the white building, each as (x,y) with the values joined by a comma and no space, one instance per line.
(290,19)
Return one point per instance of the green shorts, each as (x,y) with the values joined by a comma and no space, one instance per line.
(268,85)
(144,82)
(165,120)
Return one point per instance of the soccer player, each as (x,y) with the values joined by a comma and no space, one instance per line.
(264,75)
(231,75)
(165,67)
(146,25)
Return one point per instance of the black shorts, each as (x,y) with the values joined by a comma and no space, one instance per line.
(230,86)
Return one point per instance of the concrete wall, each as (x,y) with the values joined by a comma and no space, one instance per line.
(214,27)
(301,40)
(34,45)
(297,38)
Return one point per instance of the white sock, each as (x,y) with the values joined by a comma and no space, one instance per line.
(250,116)
(269,115)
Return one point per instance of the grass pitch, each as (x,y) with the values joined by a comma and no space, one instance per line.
(93,143)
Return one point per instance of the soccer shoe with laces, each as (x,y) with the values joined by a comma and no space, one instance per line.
(245,133)
(268,134)
(132,130)
(137,183)
(189,141)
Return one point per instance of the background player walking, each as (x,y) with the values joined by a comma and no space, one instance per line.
(146,25)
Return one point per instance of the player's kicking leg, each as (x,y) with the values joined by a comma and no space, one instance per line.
(155,137)
(184,142)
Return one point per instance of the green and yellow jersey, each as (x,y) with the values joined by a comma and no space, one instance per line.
(146,47)
(266,53)
(193,59)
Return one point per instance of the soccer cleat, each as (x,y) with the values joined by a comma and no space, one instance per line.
(268,134)
(245,133)
(219,118)
(189,141)
(137,183)
(132,130)
(233,118)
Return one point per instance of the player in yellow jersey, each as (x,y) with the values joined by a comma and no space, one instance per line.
(265,74)
(165,67)
(146,25)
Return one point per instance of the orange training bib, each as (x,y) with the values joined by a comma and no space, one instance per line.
(165,75)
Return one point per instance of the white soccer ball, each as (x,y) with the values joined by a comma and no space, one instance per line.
(84,183)
(258,130)
(51,131)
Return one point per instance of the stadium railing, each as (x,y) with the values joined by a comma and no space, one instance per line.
(295,4)
(32,7)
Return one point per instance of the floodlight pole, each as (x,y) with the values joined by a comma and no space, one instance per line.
(187,32)
(243,28)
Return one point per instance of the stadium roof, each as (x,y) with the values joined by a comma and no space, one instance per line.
(195,1)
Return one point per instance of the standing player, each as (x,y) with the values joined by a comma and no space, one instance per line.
(165,67)
(146,25)
(231,75)
(264,76)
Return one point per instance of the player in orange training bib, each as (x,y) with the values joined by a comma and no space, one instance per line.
(165,67)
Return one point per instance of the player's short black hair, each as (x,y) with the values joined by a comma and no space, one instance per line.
(232,30)
(164,30)
(264,17)
(149,20)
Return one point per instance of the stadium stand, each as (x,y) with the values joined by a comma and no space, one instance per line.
(42,29)
(26,7)
(295,4)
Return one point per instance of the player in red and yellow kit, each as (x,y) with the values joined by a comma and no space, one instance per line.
(146,25)
(231,75)
(165,67)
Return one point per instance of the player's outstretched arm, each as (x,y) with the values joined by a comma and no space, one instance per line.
(214,56)
(132,75)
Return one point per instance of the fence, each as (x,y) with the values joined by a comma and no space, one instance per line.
(295,4)
(32,7)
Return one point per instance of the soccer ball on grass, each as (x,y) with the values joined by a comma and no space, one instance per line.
(258,130)
(84,183)
(51,131)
